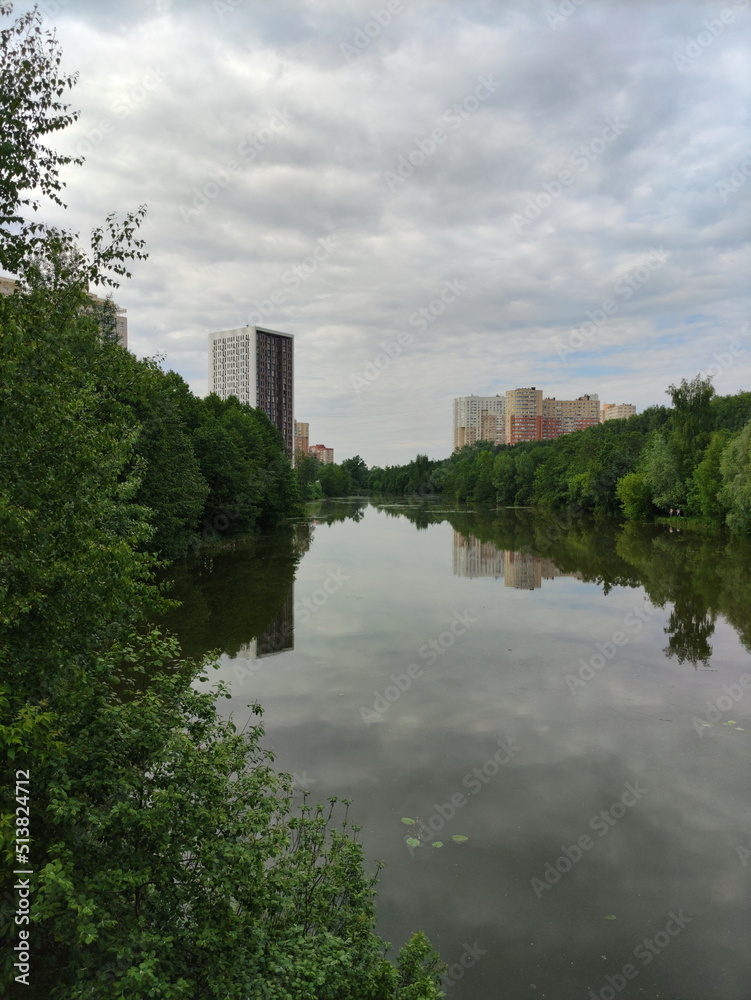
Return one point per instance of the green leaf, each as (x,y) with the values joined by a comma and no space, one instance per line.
(408,821)
(437,843)
(459,838)
(413,841)
(610,916)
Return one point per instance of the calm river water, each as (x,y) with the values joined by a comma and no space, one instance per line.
(572,699)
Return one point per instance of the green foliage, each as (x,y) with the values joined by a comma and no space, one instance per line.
(706,482)
(357,471)
(334,480)
(735,494)
(635,495)
(662,473)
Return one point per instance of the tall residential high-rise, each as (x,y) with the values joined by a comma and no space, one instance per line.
(617,411)
(302,437)
(523,415)
(256,365)
(8,286)
(563,416)
(478,418)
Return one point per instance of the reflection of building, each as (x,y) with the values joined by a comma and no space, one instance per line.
(526,572)
(277,637)
(256,366)
(324,455)
(520,570)
(471,557)
(478,418)
(617,411)
(8,286)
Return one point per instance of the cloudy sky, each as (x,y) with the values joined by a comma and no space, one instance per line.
(437,197)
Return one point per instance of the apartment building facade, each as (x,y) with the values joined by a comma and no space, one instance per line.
(523,420)
(8,286)
(324,455)
(257,366)
(479,418)
(617,411)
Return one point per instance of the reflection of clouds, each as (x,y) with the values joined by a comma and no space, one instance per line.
(676,848)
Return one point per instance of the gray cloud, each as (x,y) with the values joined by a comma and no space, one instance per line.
(193,95)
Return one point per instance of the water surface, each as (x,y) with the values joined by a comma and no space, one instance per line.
(567,697)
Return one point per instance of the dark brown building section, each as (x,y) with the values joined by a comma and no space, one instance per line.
(274,380)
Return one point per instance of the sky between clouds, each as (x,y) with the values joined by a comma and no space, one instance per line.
(549,151)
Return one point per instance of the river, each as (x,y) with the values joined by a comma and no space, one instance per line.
(544,728)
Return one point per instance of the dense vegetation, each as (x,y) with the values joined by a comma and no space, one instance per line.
(167,859)
(693,457)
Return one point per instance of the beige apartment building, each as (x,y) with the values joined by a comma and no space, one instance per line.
(256,366)
(324,455)
(563,416)
(8,286)
(617,411)
(523,420)
(302,436)
(479,418)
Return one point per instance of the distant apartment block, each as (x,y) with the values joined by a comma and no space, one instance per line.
(523,415)
(564,416)
(8,286)
(479,418)
(617,411)
(256,366)
(302,434)
(324,455)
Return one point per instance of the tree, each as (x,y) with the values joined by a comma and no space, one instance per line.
(357,471)
(735,464)
(691,421)
(661,473)
(635,495)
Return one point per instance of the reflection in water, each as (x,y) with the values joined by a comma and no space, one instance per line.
(641,721)
(520,570)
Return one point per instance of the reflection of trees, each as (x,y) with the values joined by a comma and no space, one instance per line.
(700,575)
(336,510)
(233,595)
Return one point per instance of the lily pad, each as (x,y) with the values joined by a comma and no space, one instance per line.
(459,838)
(730,722)
(413,841)
(408,821)
(437,843)
(610,916)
